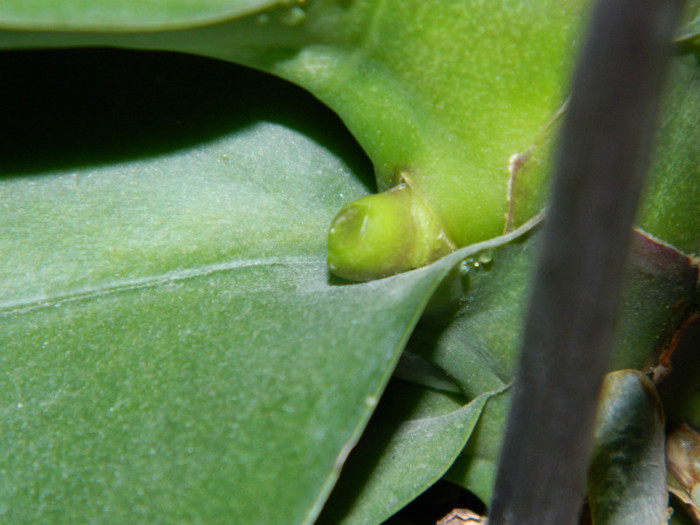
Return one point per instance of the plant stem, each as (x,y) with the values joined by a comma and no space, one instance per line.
(570,323)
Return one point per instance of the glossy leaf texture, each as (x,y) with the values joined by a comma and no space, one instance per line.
(182,255)
(447,95)
(125,15)
(628,475)
(172,347)
(671,207)
(444,93)
(465,344)
(476,346)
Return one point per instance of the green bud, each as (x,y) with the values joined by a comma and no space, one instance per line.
(384,234)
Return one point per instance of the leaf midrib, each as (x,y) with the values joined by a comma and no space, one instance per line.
(19,306)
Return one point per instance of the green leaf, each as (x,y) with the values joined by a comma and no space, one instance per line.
(443,96)
(204,396)
(627,481)
(476,346)
(126,15)
(670,209)
(444,93)
(108,201)
(172,347)
(157,279)
(411,441)
(475,468)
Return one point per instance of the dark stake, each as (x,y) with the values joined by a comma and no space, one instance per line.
(569,330)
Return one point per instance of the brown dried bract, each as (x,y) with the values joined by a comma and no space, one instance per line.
(463,517)
(683,456)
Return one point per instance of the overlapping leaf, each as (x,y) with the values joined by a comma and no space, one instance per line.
(172,348)
(477,345)
(414,437)
(113,15)
(167,306)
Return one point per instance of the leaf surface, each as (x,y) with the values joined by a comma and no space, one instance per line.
(112,15)
(476,346)
(173,348)
(411,441)
(200,241)
(627,482)
(444,93)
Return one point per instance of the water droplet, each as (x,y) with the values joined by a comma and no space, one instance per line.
(292,16)
(371,401)
(20,405)
(262,19)
(479,262)
(485,258)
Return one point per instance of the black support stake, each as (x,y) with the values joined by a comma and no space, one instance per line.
(602,157)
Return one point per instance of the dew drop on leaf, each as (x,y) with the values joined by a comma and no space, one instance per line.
(292,17)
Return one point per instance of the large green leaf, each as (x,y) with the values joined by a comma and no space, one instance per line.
(172,347)
(125,15)
(173,344)
(178,249)
(447,93)
(208,396)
